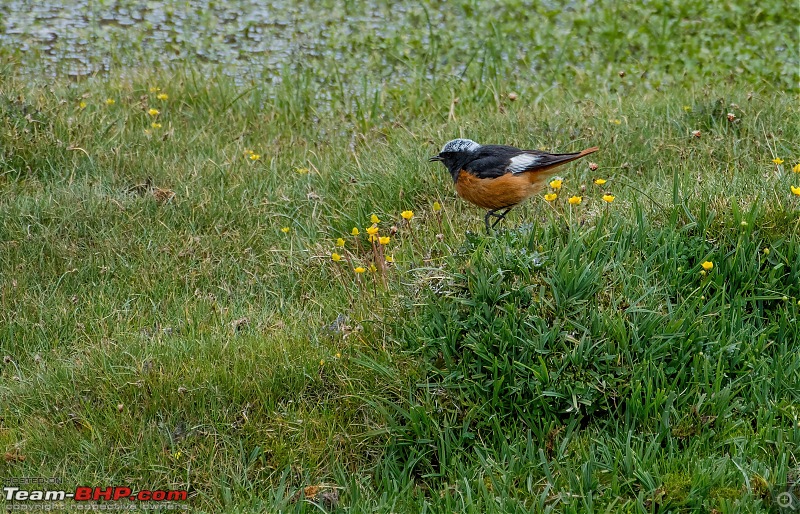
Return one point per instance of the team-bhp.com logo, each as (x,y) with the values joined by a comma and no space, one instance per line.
(15,495)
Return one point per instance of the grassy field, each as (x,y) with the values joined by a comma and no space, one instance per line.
(184,304)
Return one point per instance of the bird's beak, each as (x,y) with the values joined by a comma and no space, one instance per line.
(435,158)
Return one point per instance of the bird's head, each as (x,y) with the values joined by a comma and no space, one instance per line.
(455,151)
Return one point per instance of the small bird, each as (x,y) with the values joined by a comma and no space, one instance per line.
(498,177)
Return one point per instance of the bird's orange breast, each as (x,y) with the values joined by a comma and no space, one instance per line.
(496,193)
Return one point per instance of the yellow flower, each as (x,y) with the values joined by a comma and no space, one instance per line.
(687,108)
(389,258)
(82,105)
(155,89)
(153,112)
(372,238)
(162,96)
(359,269)
(301,171)
(372,268)
(335,257)
(340,242)
(796,168)
(766,251)
(254,157)
(110,101)
(600,181)
(285,230)
(384,240)
(777,160)
(616,121)
(354,231)
(556,184)
(438,207)
(322,362)
(374,219)
(795,190)
(575,200)
(707,265)
(550,197)
(609,198)
(407,214)
(338,355)
(155,125)
(372,230)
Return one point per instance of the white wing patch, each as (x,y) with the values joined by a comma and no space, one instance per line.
(522,162)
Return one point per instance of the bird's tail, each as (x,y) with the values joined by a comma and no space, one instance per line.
(557,159)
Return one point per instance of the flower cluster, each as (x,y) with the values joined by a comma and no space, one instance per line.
(557,183)
(795,169)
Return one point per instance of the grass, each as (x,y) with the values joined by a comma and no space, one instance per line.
(159,329)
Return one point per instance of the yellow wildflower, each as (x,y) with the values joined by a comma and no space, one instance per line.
(155,89)
(687,108)
(359,269)
(155,125)
(372,238)
(438,207)
(616,121)
(550,197)
(162,96)
(374,219)
(707,265)
(340,242)
(609,198)
(600,181)
(110,101)
(254,157)
(575,200)
(384,240)
(777,160)
(556,184)
(153,112)
(372,268)
(766,251)
(301,171)
(354,231)
(389,258)
(407,215)
(338,355)
(795,190)
(322,362)
(82,105)
(335,257)
(372,230)
(285,230)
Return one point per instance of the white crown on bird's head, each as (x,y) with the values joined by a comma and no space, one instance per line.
(460,145)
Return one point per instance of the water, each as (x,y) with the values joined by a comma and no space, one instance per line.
(248,37)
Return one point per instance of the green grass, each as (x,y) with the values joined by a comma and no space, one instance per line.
(576,361)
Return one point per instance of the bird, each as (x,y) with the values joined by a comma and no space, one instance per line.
(498,177)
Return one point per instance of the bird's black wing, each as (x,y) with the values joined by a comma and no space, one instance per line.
(492,161)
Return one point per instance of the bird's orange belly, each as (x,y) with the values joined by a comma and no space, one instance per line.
(495,193)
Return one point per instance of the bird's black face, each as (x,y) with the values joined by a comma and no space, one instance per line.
(455,154)
(451,160)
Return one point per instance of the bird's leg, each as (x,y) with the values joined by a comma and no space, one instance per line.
(499,217)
